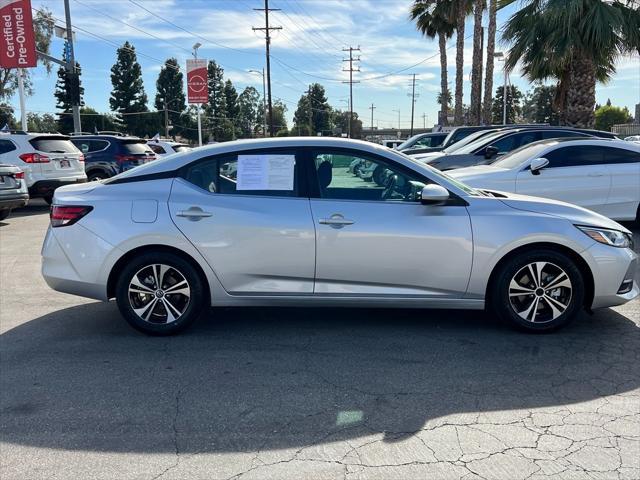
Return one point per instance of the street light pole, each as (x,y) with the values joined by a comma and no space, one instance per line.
(195,56)
(71,70)
(500,56)
(264,101)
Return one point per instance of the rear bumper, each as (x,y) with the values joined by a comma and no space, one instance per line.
(13,201)
(43,188)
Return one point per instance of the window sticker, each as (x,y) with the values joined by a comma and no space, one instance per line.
(265,172)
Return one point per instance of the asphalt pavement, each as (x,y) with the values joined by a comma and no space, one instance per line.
(324,393)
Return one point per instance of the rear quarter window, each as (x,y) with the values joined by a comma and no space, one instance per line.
(6,146)
(53,145)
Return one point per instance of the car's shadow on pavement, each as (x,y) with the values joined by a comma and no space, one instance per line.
(259,379)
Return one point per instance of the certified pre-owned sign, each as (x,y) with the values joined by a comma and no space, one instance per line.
(197,87)
(18,48)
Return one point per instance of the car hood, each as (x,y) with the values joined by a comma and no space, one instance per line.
(573,213)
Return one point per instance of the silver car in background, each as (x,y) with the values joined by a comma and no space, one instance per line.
(292,226)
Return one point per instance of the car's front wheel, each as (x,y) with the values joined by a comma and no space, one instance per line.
(160,293)
(538,291)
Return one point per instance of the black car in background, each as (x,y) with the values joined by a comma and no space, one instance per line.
(109,153)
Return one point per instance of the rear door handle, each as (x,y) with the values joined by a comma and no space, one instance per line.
(596,174)
(194,213)
(336,221)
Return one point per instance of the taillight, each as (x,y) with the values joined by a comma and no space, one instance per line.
(65,215)
(19,175)
(81,158)
(34,158)
(125,158)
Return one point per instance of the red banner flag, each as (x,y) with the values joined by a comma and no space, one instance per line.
(197,86)
(18,48)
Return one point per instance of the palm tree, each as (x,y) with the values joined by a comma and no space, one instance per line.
(574,41)
(434,18)
(476,68)
(461,10)
(491,48)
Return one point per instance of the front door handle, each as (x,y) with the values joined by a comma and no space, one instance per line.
(596,174)
(194,213)
(336,221)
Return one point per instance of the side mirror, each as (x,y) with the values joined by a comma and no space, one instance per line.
(538,164)
(434,194)
(490,152)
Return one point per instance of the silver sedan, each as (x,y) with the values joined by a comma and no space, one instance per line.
(284,222)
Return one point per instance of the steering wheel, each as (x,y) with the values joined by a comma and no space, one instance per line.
(390,187)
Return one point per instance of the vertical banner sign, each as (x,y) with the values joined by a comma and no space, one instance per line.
(18,46)
(197,87)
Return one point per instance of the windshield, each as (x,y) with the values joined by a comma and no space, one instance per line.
(437,173)
(467,140)
(479,143)
(135,147)
(182,148)
(518,156)
(53,145)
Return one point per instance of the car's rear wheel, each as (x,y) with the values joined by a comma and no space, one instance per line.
(96,176)
(538,291)
(160,293)
(4,214)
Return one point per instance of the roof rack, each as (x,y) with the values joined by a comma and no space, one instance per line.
(111,132)
(79,134)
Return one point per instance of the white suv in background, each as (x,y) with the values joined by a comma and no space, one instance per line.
(166,147)
(47,160)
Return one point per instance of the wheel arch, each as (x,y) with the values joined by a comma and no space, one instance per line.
(580,262)
(97,169)
(122,261)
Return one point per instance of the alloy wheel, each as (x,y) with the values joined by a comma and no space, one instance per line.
(159,293)
(540,292)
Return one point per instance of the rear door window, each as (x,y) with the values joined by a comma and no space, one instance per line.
(53,145)
(620,155)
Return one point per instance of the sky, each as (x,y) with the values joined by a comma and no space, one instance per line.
(308,49)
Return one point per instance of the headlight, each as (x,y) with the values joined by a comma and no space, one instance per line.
(615,238)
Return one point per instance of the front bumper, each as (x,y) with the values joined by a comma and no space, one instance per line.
(611,267)
(44,188)
(13,201)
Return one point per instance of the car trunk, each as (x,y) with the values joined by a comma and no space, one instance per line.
(8,181)
(65,160)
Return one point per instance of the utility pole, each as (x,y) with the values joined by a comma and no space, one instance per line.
(195,56)
(413,96)
(504,96)
(372,108)
(424,120)
(71,70)
(267,39)
(166,120)
(308,92)
(351,81)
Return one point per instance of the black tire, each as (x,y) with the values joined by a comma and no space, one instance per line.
(155,324)
(95,176)
(4,214)
(48,199)
(543,316)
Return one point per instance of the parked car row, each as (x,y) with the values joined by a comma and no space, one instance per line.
(42,162)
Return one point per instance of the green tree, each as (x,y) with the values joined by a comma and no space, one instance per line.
(43,22)
(340,119)
(6,116)
(232,109)
(279,117)
(475,105)
(216,109)
(68,88)
(249,121)
(170,92)
(608,115)
(514,97)
(128,97)
(313,113)
(537,106)
(461,10)
(93,121)
(434,19)
(575,42)
(41,123)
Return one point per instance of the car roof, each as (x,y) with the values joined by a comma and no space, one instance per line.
(596,141)
(106,136)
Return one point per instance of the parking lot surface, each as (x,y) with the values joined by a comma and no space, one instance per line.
(294,393)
